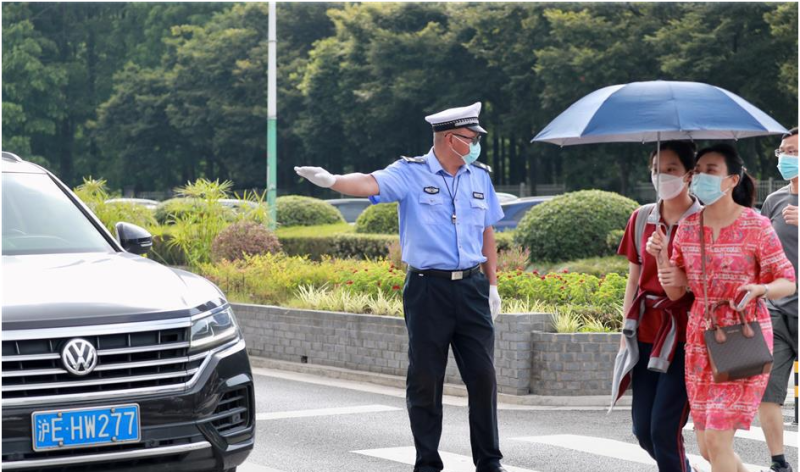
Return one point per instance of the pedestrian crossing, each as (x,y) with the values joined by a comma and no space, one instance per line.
(452,462)
(757,434)
(571,443)
(614,449)
(280,415)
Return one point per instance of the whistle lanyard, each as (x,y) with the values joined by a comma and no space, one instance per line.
(452,195)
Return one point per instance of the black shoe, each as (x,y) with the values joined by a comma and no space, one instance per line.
(775,467)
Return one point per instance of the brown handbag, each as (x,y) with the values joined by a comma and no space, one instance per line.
(735,352)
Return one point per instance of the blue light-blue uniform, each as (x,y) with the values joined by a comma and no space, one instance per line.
(441,230)
(428,237)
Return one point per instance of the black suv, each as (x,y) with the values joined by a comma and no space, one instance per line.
(111,362)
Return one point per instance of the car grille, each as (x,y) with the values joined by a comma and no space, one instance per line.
(159,357)
(233,412)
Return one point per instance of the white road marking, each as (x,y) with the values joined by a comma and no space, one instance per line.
(449,400)
(757,434)
(407,455)
(251,467)
(615,449)
(348,410)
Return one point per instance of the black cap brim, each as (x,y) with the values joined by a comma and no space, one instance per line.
(477,129)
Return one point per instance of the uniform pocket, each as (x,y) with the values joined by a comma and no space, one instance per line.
(478,213)
(432,211)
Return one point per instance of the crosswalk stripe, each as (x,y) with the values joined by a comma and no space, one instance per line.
(349,410)
(614,449)
(251,467)
(408,455)
(757,434)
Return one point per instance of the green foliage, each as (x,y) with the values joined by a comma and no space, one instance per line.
(314,231)
(574,225)
(347,301)
(275,278)
(344,245)
(505,240)
(194,232)
(173,209)
(296,210)
(614,239)
(379,219)
(597,266)
(376,287)
(513,259)
(152,95)
(94,194)
(244,238)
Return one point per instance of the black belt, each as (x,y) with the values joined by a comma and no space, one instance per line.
(448,274)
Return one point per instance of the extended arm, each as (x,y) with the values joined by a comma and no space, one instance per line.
(355,184)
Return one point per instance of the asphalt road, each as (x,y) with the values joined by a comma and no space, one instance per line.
(312,424)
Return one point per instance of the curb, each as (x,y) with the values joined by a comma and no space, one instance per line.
(594,402)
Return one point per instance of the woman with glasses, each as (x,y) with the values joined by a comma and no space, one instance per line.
(651,357)
(742,254)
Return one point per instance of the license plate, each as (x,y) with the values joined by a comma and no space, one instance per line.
(84,427)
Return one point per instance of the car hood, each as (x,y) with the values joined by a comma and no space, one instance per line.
(62,290)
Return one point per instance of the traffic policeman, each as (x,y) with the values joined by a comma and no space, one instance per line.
(447,206)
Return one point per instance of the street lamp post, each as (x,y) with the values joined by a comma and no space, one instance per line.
(272,117)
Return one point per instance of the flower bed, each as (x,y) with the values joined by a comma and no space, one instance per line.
(374,287)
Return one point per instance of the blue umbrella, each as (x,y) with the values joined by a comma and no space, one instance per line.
(658,111)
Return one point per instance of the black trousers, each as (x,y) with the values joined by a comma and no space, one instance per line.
(660,410)
(440,313)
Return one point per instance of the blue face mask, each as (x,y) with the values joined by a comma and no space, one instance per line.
(787,165)
(474,153)
(708,188)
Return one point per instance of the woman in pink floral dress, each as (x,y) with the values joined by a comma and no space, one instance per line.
(743,253)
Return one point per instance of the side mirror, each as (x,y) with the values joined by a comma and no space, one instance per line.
(134,239)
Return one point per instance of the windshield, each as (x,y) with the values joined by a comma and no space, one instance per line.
(39,218)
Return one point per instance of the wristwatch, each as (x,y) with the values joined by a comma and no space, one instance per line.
(766,291)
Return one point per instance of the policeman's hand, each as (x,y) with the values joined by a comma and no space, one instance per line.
(672,276)
(317,176)
(494,301)
(790,215)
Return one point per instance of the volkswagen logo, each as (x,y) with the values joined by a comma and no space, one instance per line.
(79,357)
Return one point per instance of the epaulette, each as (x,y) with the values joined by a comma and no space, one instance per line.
(414,160)
(483,166)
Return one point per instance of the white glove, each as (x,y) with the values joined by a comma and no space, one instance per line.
(317,176)
(494,301)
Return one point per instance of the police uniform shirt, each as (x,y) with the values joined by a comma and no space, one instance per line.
(428,236)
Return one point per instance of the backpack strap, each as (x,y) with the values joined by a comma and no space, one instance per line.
(641,221)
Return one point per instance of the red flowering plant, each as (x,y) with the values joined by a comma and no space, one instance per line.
(369,278)
(559,288)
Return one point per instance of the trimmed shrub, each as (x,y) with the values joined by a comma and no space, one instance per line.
(614,239)
(574,225)
(344,245)
(505,241)
(296,210)
(379,219)
(363,246)
(244,238)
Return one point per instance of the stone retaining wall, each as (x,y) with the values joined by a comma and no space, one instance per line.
(528,359)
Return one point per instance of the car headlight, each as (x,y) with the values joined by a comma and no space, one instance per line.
(214,329)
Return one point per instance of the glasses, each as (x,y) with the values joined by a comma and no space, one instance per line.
(788,152)
(472,139)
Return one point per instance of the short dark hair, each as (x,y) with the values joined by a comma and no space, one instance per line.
(792,132)
(745,191)
(685,150)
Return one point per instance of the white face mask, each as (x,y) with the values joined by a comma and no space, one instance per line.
(671,186)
